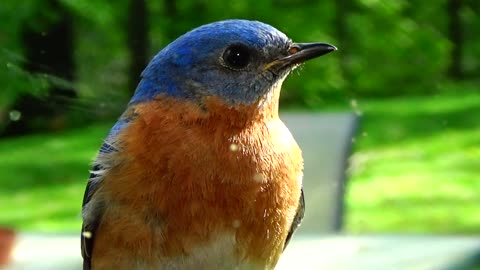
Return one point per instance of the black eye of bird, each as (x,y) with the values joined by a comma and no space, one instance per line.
(236,56)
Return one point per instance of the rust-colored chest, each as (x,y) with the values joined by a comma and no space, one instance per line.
(188,182)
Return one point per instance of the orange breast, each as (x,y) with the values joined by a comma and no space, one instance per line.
(187,174)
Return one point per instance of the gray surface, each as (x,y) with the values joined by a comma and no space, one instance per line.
(46,252)
(342,252)
(393,252)
(325,140)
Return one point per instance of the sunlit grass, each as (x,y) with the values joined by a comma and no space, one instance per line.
(42,178)
(415,168)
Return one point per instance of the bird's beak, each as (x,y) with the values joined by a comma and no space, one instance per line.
(301,52)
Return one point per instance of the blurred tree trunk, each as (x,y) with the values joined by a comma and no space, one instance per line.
(137,42)
(171,15)
(341,27)
(455,32)
(47,38)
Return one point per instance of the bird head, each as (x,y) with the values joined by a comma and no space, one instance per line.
(238,61)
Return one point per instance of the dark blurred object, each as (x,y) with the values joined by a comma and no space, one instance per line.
(48,44)
(455,33)
(137,40)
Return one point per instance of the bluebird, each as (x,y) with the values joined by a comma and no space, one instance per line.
(199,172)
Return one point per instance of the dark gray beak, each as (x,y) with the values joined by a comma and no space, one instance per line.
(299,53)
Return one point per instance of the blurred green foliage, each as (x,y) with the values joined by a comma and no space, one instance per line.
(386,48)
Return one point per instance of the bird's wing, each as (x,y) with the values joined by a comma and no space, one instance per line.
(89,225)
(297,220)
(93,206)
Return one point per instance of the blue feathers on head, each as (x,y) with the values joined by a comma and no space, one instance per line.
(190,66)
